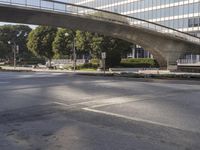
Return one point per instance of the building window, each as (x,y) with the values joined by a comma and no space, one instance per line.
(194,22)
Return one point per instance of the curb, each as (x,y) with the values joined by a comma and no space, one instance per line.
(123,74)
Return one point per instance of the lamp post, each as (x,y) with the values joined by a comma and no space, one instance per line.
(15,50)
(15,47)
(74,51)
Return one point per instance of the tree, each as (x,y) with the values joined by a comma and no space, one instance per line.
(113,47)
(95,44)
(3,50)
(63,43)
(113,55)
(124,47)
(14,33)
(40,41)
(85,43)
(21,34)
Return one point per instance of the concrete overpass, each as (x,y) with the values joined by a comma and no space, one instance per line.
(166,44)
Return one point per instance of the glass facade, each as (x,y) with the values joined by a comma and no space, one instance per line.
(183,15)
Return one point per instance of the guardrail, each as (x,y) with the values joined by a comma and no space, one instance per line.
(188,61)
(63,7)
(68,61)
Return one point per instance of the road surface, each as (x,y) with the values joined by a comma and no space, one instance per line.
(60,111)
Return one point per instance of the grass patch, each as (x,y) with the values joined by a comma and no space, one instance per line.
(88,69)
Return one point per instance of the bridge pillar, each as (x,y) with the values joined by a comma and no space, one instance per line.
(172,58)
(167,60)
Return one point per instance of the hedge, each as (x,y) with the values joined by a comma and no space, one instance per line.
(87,66)
(32,61)
(139,63)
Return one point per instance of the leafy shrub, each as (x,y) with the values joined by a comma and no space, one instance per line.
(139,62)
(87,66)
(95,61)
(32,61)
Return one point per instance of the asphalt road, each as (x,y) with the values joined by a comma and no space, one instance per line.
(59,111)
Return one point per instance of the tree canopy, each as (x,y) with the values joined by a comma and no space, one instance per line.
(40,41)
(95,44)
(63,43)
(13,33)
(48,42)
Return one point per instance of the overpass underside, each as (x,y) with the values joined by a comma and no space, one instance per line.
(165,48)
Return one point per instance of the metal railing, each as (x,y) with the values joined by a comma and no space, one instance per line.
(67,61)
(68,8)
(188,61)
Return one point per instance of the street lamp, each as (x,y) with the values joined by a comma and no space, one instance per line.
(15,50)
(74,51)
(15,47)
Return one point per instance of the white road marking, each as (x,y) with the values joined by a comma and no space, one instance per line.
(113,114)
(101,103)
(132,118)
(116,101)
(75,104)
(60,104)
(91,109)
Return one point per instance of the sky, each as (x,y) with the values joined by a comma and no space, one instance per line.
(32,26)
(5,23)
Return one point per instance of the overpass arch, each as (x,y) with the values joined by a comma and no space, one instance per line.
(166,44)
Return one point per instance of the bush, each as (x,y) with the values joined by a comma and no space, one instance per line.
(95,61)
(87,66)
(32,61)
(139,63)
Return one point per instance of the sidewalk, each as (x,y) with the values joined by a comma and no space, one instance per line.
(156,74)
(29,69)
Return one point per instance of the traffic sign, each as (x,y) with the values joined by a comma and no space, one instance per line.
(103,55)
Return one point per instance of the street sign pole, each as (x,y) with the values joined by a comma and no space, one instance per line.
(104,66)
(103,56)
(14,51)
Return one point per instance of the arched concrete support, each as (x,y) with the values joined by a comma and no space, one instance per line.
(165,48)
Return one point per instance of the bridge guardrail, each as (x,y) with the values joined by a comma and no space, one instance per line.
(63,7)
(188,61)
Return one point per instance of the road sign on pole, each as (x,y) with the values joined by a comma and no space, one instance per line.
(103,55)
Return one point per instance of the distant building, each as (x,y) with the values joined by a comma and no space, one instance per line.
(183,15)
